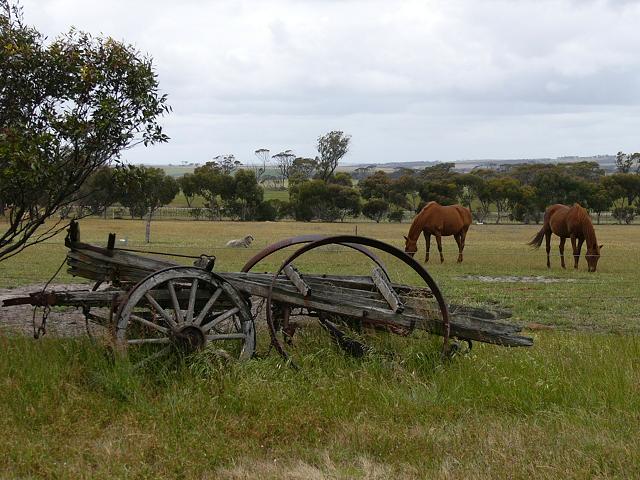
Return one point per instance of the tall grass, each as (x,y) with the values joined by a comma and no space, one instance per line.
(569,407)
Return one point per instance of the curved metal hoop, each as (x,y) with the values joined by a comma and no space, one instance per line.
(368,242)
(287,242)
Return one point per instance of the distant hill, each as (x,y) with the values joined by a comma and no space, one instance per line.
(607,162)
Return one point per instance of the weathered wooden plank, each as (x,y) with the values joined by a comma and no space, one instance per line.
(413,307)
(294,275)
(384,287)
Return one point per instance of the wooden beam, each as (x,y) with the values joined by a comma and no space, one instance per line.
(384,287)
(294,275)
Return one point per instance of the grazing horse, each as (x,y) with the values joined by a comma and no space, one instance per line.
(241,242)
(434,219)
(575,223)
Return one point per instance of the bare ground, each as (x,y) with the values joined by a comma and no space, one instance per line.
(61,322)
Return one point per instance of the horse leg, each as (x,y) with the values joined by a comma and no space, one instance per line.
(427,239)
(562,240)
(577,254)
(573,249)
(547,236)
(460,246)
(463,240)
(439,242)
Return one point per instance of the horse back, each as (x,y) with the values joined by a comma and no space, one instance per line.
(555,218)
(448,220)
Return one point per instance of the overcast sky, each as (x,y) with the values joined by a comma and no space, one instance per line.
(409,80)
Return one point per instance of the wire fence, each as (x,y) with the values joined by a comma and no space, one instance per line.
(204,215)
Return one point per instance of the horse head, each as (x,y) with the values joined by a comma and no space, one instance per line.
(410,246)
(593,255)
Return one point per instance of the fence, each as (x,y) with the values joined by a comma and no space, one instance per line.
(201,214)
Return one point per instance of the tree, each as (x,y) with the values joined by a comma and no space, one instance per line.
(405,191)
(475,187)
(213,182)
(505,192)
(67,108)
(227,163)
(247,193)
(375,209)
(599,200)
(439,172)
(624,189)
(346,200)
(260,169)
(361,173)
(99,191)
(526,207)
(331,148)
(443,192)
(189,185)
(377,185)
(284,161)
(624,162)
(145,189)
(312,199)
(301,169)
(342,178)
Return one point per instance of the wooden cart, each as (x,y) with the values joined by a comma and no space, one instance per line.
(153,306)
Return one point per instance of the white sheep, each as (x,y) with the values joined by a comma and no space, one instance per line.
(241,242)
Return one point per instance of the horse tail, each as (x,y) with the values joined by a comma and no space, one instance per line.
(537,240)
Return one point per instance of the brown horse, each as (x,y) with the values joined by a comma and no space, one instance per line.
(434,219)
(575,223)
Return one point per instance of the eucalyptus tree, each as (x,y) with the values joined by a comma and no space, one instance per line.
(331,148)
(67,108)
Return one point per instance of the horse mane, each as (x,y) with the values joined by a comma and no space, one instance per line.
(587,226)
(416,226)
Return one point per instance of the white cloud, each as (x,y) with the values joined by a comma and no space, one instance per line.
(430,79)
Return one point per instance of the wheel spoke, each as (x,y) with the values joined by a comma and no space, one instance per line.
(219,318)
(161,310)
(207,307)
(138,341)
(226,336)
(192,300)
(146,322)
(174,301)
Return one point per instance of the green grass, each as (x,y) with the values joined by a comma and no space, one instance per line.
(569,407)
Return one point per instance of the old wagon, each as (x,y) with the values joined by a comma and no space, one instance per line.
(153,306)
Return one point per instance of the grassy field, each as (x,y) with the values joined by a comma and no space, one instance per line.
(569,407)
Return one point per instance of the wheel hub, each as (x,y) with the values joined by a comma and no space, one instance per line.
(190,338)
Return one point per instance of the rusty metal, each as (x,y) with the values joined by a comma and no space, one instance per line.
(288,242)
(367,242)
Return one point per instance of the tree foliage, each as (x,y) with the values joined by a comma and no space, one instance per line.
(375,209)
(331,148)
(145,189)
(67,108)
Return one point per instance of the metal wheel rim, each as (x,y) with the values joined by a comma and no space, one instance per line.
(367,242)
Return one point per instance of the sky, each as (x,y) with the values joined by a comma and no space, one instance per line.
(408,80)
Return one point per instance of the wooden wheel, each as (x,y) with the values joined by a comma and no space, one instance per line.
(184,309)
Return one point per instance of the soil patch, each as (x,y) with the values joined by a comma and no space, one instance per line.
(61,322)
(515,279)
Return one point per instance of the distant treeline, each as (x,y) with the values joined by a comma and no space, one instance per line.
(519,192)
